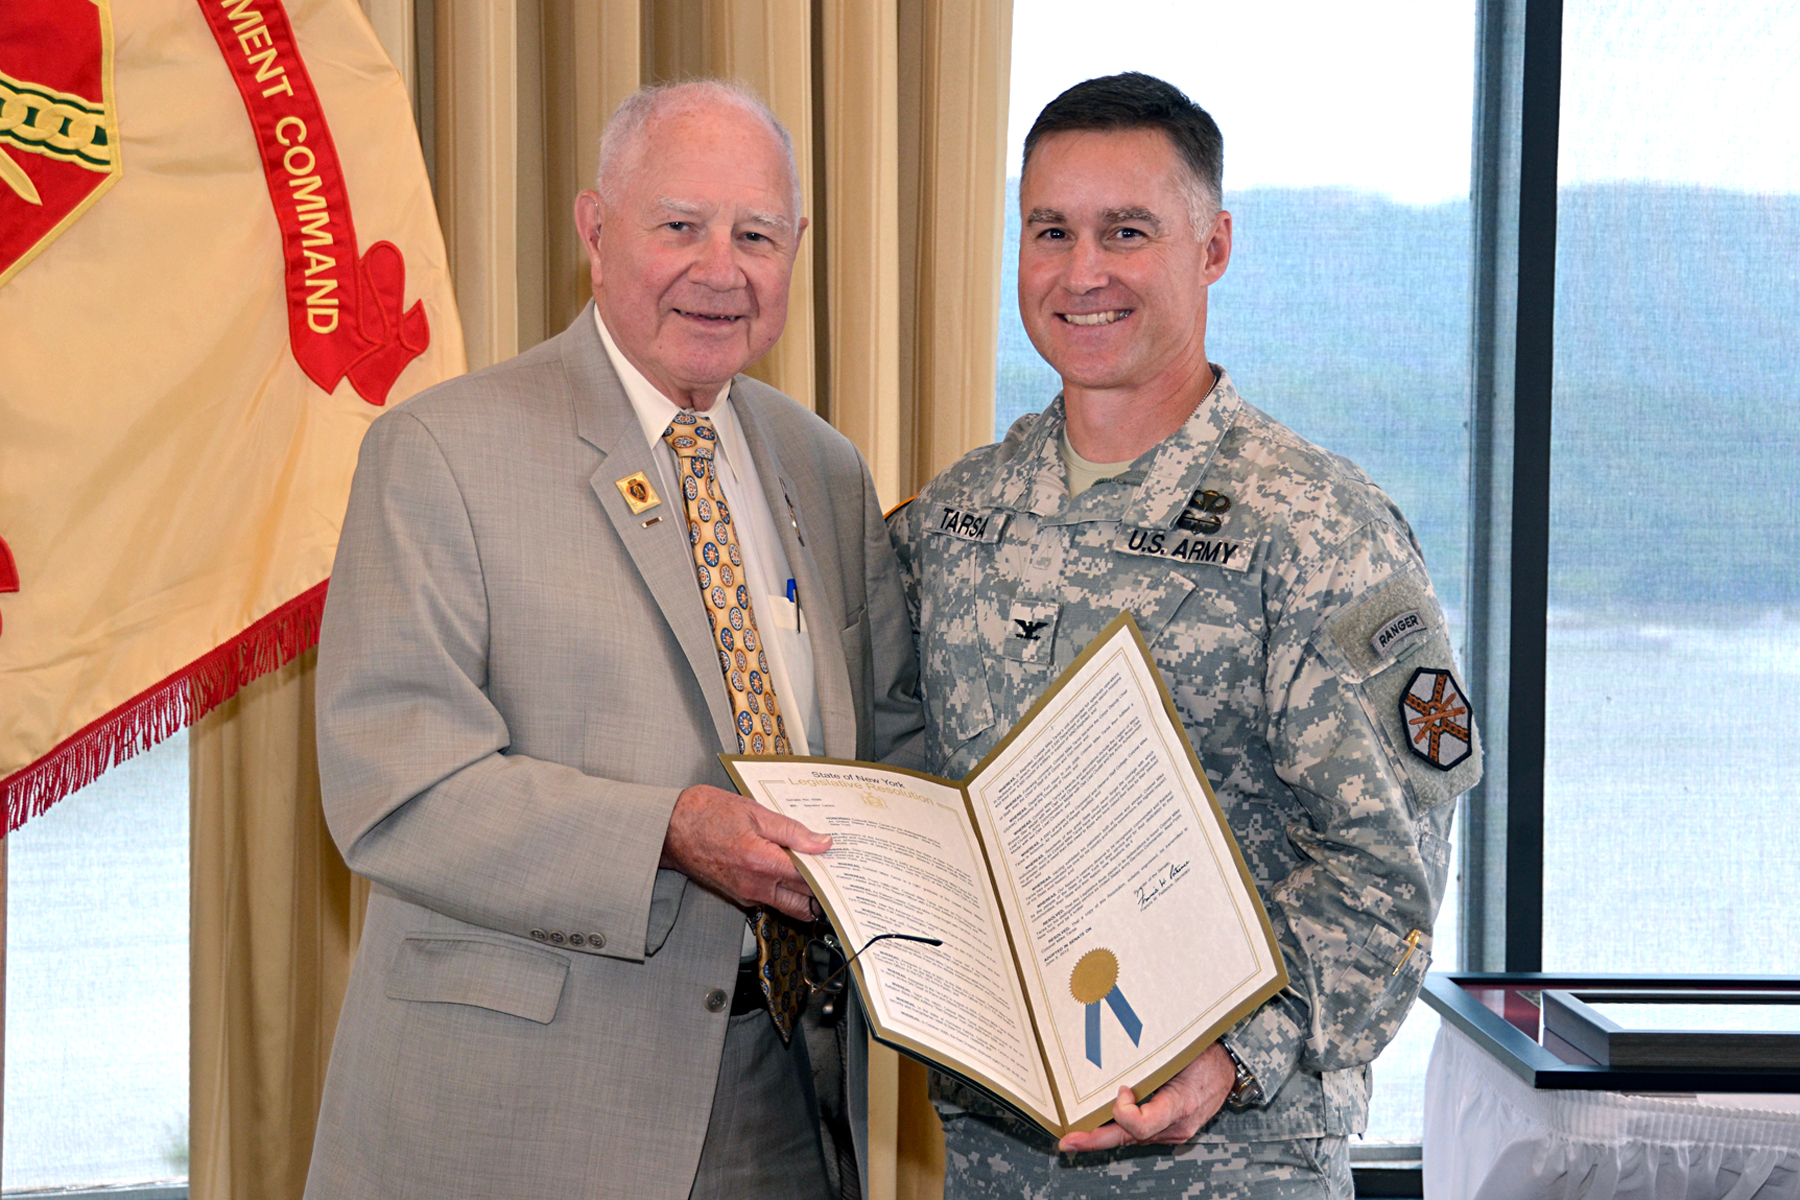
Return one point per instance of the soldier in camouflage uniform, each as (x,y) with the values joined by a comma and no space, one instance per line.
(1286,602)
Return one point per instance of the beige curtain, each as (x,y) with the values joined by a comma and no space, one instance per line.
(899,116)
(898,109)
(955,70)
(912,106)
(276,916)
(856,226)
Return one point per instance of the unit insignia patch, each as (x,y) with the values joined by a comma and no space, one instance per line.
(1437,719)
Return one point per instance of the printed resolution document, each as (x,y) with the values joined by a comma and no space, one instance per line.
(1099,926)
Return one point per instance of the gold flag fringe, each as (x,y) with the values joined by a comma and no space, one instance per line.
(164,709)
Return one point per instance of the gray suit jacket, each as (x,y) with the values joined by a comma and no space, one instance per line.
(516,678)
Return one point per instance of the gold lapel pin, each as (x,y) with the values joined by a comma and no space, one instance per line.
(638,493)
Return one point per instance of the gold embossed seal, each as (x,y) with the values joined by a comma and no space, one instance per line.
(1094,976)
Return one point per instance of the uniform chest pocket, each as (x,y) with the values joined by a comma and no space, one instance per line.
(958,700)
(953,653)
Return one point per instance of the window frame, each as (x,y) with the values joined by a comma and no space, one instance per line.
(1512,349)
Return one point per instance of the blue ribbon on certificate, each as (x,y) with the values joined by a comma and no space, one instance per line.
(1128,1021)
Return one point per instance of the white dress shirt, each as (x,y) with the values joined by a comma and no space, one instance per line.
(779,622)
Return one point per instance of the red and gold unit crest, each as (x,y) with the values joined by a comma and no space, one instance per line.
(59,132)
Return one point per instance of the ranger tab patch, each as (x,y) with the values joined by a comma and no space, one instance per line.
(1402,625)
(1439,725)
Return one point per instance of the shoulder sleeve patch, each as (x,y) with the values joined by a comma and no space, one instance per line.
(1395,650)
(1428,722)
(889,514)
(1437,719)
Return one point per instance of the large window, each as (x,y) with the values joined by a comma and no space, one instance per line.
(1580,389)
(1345,311)
(97,982)
(1671,732)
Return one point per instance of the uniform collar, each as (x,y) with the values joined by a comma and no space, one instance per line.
(1034,479)
(1174,468)
(1165,476)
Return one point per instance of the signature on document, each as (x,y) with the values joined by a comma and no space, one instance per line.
(1160,881)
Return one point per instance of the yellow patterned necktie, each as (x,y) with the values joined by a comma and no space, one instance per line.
(744,662)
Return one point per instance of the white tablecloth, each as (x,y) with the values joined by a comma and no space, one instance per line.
(1490,1136)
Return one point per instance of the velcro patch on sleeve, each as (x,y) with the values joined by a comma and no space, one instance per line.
(1393,647)
(1386,624)
(1430,730)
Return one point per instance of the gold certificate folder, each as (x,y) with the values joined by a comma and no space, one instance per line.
(1099,927)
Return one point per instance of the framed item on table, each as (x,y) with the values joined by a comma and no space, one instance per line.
(1630,1033)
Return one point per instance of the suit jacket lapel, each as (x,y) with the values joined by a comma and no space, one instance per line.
(605,419)
(790,503)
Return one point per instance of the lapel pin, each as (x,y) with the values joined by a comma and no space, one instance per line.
(637,492)
(792,519)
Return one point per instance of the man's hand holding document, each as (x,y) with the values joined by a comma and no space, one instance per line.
(1099,926)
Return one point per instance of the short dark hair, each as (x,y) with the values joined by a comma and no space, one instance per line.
(1138,101)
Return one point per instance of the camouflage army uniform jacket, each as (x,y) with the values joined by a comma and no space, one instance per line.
(1286,601)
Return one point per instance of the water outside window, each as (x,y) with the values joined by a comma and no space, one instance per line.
(1345,310)
(1674,642)
(97,982)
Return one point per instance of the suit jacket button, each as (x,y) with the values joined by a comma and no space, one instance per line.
(557,938)
(716,1000)
(575,939)
(596,940)
(538,935)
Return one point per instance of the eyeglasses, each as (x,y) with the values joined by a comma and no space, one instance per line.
(825,968)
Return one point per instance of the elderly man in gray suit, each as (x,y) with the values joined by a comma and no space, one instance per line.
(565,584)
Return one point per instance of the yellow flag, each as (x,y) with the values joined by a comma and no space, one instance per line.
(219,259)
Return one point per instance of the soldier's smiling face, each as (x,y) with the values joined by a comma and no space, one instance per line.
(1112,276)
(692,252)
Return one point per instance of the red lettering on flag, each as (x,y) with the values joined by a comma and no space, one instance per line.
(9,571)
(346,314)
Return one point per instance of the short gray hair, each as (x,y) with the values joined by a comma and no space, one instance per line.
(625,128)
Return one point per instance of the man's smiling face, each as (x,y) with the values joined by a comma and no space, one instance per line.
(1112,279)
(692,256)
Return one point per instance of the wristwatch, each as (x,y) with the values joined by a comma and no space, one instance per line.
(1244,1090)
